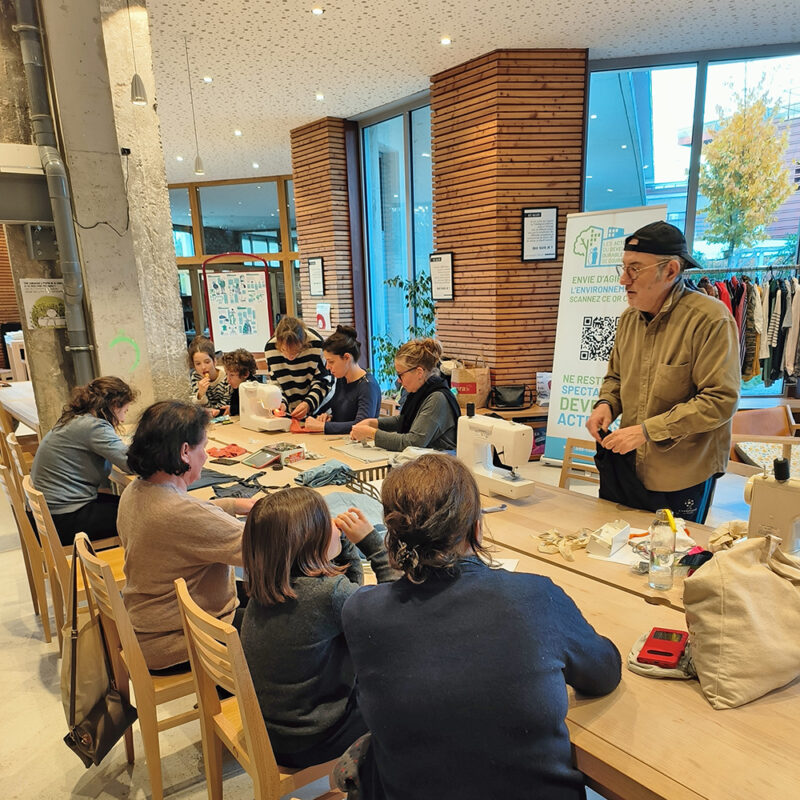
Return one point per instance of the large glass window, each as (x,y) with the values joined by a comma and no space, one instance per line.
(240,218)
(639,139)
(747,208)
(386,224)
(729,180)
(249,216)
(422,188)
(182,236)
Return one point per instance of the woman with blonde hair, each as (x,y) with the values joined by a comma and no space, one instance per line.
(295,362)
(430,413)
(462,670)
(75,458)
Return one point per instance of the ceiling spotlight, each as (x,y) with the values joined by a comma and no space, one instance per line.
(589,177)
(446,40)
(237,132)
(624,146)
(592,116)
(179,158)
(207,79)
(320,96)
(609,190)
(255,165)
(317,11)
(138,95)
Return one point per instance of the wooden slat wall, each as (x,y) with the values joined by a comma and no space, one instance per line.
(319,169)
(9,311)
(507,133)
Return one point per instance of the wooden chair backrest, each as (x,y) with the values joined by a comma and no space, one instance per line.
(57,564)
(578,463)
(116,621)
(774,421)
(217,659)
(12,491)
(21,463)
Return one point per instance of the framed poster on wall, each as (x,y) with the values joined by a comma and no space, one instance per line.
(316,277)
(441,266)
(540,234)
(238,303)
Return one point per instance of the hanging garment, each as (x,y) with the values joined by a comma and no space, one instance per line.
(758,324)
(783,328)
(749,352)
(763,351)
(793,337)
(724,294)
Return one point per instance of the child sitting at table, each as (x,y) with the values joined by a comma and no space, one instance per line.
(300,570)
(240,366)
(210,386)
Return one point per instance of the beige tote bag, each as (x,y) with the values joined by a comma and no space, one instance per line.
(743,615)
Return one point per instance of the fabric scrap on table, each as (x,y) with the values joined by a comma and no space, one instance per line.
(242,487)
(331,472)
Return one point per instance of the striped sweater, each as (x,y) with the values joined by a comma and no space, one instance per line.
(218,394)
(305,378)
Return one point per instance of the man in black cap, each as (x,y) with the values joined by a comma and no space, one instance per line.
(673,376)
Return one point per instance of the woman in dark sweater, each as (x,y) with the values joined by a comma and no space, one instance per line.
(300,571)
(430,413)
(356,396)
(463,669)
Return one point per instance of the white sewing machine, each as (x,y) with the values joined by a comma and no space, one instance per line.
(774,509)
(478,436)
(257,404)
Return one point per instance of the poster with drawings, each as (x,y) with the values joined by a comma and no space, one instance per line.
(238,310)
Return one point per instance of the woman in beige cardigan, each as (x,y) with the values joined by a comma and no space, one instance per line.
(168,533)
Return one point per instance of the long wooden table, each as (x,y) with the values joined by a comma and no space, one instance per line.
(18,402)
(649,738)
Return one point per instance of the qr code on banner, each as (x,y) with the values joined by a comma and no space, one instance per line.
(597,338)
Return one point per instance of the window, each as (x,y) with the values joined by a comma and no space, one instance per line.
(693,136)
(639,139)
(250,216)
(398,211)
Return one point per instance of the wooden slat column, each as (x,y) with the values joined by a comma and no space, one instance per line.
(508,133)
(319,167)
(9,311)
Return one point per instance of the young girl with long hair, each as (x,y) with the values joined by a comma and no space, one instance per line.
(300,571)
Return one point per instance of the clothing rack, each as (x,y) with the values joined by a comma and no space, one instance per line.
(745,270)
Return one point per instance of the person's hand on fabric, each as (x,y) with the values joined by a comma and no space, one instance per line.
(301,410)
(353,524)
(364,430)
(317,424)
(624,440)
(599,420)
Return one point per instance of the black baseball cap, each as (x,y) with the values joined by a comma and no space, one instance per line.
(661,239)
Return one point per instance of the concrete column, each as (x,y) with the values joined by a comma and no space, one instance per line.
(121,204)
(49,364)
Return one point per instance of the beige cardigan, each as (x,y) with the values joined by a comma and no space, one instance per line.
(169,534)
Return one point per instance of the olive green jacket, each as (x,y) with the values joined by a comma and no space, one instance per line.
(678,374)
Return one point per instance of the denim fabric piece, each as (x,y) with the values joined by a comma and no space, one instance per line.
(339,502)
(331,472)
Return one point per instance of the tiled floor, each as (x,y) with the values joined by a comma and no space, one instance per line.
(34,762)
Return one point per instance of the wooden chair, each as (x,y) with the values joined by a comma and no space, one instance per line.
(57,556)
(217,659)
(773,425)
(31,549)
(578,464)
(389,407)
(23,459)
(129,665)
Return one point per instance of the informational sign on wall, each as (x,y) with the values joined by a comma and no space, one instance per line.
(441,268)
(589,307)
(539,234)
(238,309)
(43,301)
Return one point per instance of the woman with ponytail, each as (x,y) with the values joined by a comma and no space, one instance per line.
(356,395)
(430,413)
(74,459)
(462,669)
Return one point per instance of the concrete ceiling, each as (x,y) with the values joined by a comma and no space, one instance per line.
(269,60)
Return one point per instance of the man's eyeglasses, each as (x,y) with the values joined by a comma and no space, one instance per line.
(400,374)
(633,272)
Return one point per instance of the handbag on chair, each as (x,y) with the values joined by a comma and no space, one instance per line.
(97,714)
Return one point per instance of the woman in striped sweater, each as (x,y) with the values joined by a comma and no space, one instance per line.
(295,362)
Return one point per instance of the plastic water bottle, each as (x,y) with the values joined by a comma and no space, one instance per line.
(662,550)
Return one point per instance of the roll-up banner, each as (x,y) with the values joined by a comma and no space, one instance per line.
(589,307)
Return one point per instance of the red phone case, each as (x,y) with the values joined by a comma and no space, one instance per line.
(663,648)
